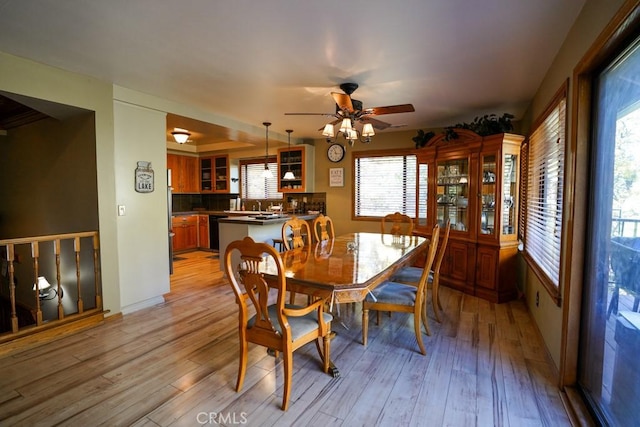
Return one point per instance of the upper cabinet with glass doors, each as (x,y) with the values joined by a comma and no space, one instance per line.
(472,182)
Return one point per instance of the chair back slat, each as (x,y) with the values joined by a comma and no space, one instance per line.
(443,247)
(323,228)
(299,229)
(431,254)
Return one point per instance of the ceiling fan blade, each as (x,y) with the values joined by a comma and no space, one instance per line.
(343,101)
(378,124)
(391,109)
(310,114)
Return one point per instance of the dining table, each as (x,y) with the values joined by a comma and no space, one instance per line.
(348,267)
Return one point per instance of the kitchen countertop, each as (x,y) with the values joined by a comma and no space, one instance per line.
(263,219)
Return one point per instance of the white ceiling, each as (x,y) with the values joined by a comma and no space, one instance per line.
(251,61)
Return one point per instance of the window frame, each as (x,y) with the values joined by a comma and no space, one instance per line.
(410,195)
(538,159)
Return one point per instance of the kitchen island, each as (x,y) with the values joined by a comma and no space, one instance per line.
(261,228)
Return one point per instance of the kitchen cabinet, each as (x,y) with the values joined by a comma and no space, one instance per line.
(203,231)
(472,181)
(214,174)
(300,160)
(184,173)
(185,229)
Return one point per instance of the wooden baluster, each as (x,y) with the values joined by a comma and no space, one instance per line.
(56,251)
(76,248)
(96,271)
(12,287)
(35,254)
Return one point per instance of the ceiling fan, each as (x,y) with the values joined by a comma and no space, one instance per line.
(347,107)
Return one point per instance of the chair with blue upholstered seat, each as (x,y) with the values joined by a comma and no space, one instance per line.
(411,275)
(399,297)
(278,326)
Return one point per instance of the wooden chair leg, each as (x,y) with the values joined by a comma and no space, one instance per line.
(242,369)
(435,300)
(418,330)
(287,357)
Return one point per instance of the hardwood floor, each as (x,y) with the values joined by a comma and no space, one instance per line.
(176,364)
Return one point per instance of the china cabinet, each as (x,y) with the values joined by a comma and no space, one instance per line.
(472,181)
(214,174)
(298,159)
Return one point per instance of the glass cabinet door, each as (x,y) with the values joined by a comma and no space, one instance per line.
(452,196)
(509,194)
(488,195)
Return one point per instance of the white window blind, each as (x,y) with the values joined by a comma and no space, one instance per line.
(545,171)
(385,184)
(254,184)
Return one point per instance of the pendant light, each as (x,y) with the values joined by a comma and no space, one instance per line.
(289,175)
(266,173)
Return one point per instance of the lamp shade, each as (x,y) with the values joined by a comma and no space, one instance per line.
(345,127)
(289,175)
(367,130)
(328,130)
(180,136)
(42,283)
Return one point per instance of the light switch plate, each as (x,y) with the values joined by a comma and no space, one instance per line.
(121,210)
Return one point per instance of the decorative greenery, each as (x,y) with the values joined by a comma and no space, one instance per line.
(489,124)
(422,138)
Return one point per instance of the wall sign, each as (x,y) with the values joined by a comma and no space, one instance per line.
(144,177)
(336,177)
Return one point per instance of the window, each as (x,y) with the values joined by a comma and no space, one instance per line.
(254,184)
(385,184)
(543,198)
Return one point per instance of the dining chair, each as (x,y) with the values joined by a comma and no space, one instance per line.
(399,297)
(280,327)
(294,233)
(323,228)
(411,275)
(396,223)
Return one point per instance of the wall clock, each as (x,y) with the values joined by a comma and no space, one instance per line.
(335,152)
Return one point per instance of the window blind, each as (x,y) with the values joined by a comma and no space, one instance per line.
(385,184)
(254,185)
(544,195)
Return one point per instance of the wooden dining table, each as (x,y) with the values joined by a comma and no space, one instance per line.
(346,268)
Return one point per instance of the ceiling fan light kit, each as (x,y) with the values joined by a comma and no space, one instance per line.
(349,111)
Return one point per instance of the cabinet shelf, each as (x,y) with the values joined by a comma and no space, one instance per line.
(300,161)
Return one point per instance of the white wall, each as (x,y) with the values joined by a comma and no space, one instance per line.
(143,246)
(29,78)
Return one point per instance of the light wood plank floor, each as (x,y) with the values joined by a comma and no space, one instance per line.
(175,364)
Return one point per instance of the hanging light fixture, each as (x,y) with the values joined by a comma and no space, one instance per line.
(181,136)
(289,175)
(349,132)
(266,173)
